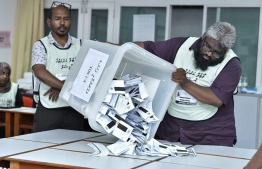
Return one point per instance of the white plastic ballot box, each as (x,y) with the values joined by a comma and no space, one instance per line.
(120,60)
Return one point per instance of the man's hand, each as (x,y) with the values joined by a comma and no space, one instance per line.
(179,76)
(53,93)
(202,94)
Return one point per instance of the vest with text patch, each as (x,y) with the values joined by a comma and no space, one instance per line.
(8,99)
(59,63)
(183,105)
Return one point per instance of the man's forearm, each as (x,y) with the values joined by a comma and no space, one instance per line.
(203,94)
(46,77)
(51,80)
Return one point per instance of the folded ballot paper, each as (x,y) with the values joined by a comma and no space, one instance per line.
(127,114)
(122,90)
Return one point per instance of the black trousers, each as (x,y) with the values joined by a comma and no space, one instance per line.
(57,118)
(2,132)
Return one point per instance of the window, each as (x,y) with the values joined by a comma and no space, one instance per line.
(126,23)
(246,22)
(186,21)
(99,25)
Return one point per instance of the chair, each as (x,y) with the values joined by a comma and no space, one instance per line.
(28,101)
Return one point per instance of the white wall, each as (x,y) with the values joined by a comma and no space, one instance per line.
(7,22)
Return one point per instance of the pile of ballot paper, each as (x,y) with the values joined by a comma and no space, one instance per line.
(127,114)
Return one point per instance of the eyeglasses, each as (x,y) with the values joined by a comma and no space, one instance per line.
(207,48)
(56,4)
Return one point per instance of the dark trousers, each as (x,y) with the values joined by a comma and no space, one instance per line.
(2,132)
(193,132)
(57,118)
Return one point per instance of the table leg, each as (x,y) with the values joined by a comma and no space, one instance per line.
(24,165)
(7,124)
(17,121)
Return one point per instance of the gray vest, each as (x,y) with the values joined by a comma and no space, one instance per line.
(183,105)
(8,99)
(59,63)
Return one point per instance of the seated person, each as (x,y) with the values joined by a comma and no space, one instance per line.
(10,96)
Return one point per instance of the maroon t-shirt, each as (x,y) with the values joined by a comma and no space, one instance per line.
(217,130)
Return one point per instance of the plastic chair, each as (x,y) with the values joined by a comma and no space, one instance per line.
(28,101)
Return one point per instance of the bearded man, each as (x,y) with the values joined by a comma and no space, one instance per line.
(208,71)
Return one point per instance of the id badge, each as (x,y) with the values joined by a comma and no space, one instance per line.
(182,97)
(61,76)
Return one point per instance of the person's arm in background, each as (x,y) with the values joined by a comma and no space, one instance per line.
(256,160)
(40,71)
(141,44)
(165,50)
(18,99)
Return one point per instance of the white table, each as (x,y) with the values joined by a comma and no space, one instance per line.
(161,165)
(81,146)
(14,116)
(108,138)
(69,150)
(29,110)
(104,139)
(20,109)
(225,151)
(209,161)
(58,136)
(54,158)
(11,146)
(174,143)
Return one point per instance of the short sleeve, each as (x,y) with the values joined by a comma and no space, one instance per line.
(38,54)
(165,49)
(227,80)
